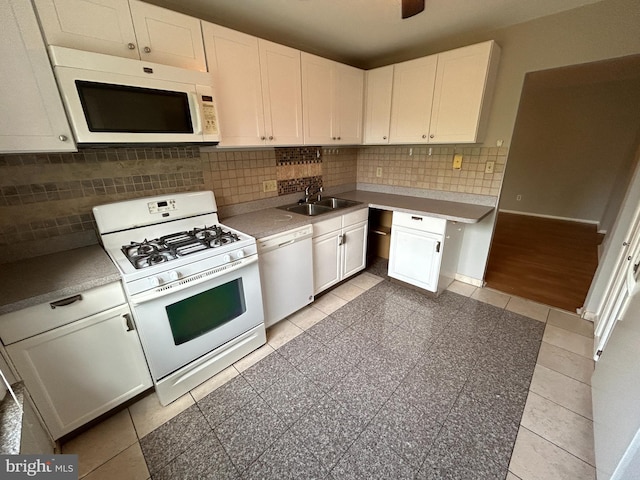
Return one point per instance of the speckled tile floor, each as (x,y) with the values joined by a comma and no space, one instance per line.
(374,380)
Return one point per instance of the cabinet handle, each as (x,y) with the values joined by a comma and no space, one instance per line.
(147,50)
(263,138)
(63,138)
(128,322)
(342,239)
(424,136)
(131,46)
(416,218)
(384,138)
(65,301)
(431,136)
(270,137)
(438,247)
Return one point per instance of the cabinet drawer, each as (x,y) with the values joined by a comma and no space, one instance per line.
(326,226)
(423,223)
(16,326)
(355,217)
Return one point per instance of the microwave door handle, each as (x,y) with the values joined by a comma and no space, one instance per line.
(194,104)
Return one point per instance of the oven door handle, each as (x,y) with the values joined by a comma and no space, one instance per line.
(192,280)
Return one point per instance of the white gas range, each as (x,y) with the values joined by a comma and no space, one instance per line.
(192,283)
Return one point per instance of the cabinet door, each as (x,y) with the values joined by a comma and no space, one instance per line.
(377,116)
(462,85)
(234,62)
(413,83)
(327,263)
(33,118)
(354,249)
(348,103)
(414,257)
(168,37)
(317,100)
(102,26)
(281,93)
(79,371)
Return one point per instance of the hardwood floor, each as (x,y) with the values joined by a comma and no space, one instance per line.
(545,260)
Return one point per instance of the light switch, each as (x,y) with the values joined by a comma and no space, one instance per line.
(457,161)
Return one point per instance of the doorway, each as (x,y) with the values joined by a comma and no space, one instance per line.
(569,166)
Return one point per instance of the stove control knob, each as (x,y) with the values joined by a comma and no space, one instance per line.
(154,281)
(241,253)
(173,275)
(227,258)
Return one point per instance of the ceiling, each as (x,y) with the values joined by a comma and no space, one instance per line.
(362,32)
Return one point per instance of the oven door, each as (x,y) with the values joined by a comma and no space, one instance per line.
(186,319)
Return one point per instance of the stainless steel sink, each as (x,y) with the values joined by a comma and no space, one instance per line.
(333,202)
(309,209)
(325,205)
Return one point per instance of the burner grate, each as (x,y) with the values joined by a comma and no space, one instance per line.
(170,247)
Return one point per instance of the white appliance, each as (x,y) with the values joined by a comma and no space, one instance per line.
(119,100)
(192,283)
(286,272)
(615,386)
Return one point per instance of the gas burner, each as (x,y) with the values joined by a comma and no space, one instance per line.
(207,233)
(141,249)
(214,236)
(175,245)
(223,239)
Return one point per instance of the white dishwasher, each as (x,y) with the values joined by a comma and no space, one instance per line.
(286,273)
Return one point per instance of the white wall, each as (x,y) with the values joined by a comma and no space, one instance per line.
(570,143)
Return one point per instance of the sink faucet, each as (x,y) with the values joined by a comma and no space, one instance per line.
(307,194)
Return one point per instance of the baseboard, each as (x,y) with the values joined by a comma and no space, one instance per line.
(470,280)
(554,217)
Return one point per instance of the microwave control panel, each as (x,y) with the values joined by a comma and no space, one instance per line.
(210,124)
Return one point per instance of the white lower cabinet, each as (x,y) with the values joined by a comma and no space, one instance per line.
(339,248)
(424,250)
(80,370)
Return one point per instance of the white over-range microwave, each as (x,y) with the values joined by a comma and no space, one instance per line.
(113,100)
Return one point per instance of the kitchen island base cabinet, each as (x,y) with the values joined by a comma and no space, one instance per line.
(78,371)
(339,248)
(424,250)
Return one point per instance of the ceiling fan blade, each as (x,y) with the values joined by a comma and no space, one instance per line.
(411,7)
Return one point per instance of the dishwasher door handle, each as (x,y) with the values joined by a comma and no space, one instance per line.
(286,243)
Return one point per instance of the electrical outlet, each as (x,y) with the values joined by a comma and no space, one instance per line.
(518,197)
(488,168)
(270,186)
(379,172)
(457,161)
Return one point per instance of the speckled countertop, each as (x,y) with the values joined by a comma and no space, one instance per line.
(272,220)
(32,281)
(11,420)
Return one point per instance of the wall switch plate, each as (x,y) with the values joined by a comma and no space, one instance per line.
(488,168)
(379,172)
(270,186)
(457,161)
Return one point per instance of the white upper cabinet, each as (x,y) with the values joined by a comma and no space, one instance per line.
(463,91)
(33,117)
(332,98)
(443,98)
(258,88)
(377,110)
(124,28)
(413,83)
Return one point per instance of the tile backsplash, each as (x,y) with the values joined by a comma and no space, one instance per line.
(46,199)
(432,168)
